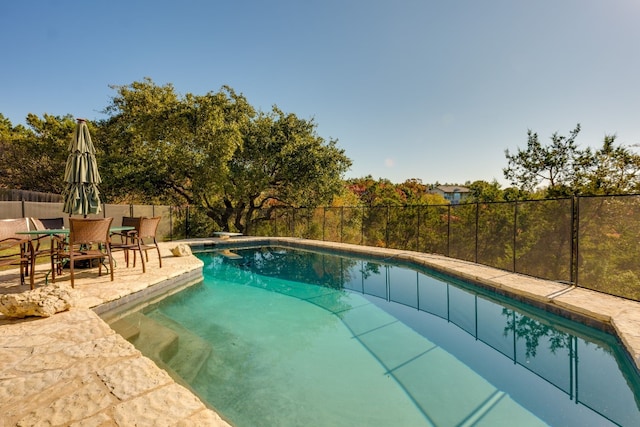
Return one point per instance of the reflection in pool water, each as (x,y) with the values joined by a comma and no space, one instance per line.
(285,337)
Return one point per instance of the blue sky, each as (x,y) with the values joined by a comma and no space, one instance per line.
(428,89)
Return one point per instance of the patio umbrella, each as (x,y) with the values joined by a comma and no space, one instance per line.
(81,195)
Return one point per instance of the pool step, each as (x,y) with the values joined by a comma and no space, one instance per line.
(126,327)
(166,342)
(192,352)
(153,340)
(230,255)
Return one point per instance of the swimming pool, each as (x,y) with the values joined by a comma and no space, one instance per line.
(288,337)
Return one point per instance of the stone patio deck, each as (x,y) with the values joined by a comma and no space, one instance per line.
(72,369)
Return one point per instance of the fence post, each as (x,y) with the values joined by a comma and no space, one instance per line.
(186,222)
(449,230)
(324,221)
(275,223)
(418,230)
(575,236)
(386,230)
(341,222)
(171,223)
(515,233)
(477,219)
(362,227)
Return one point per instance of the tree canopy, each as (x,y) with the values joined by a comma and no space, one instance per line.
(215,152)
(562,168)
(32,157)
(553,166)
(383,192)
(282,162)
(159,146)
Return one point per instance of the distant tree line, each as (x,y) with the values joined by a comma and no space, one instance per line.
(538,171)
(215,152)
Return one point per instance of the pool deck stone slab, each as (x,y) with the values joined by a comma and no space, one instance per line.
(72,369)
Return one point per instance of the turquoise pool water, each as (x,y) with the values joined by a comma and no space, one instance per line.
(295,338)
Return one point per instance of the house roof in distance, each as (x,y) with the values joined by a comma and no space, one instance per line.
(453,188)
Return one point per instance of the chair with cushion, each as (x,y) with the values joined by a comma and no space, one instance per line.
(15,249)
(88,240)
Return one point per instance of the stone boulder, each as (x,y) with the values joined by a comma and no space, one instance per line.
(181,250)
(41,302)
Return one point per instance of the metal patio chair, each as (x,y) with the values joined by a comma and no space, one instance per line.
(145,238)
(54,244)
(126,239)
(88,240)
(15,249)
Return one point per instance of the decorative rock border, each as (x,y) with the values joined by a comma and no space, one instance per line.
(41,302)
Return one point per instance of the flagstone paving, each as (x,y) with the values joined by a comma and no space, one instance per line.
(72,369)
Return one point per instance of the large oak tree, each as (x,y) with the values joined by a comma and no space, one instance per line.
(282,162)
(214,152)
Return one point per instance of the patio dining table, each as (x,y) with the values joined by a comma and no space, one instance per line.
(65,232)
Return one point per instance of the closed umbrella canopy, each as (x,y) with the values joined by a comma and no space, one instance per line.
(81,195)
